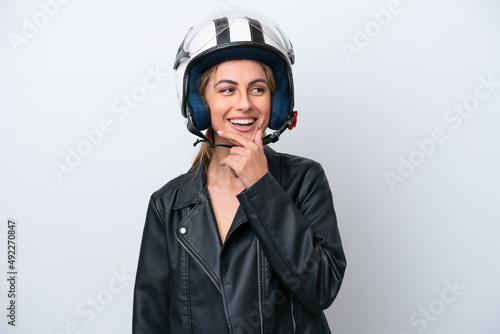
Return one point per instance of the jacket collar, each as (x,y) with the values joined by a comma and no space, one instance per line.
(194,181)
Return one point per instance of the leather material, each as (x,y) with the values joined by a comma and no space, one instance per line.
(281,265)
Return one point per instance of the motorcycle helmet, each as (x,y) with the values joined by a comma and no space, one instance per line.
(229,36)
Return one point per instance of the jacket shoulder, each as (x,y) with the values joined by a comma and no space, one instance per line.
(162,201)
(296,165)
(168,188)
(181,191)
(298,174)
(290,160)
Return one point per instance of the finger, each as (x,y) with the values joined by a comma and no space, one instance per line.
(230,163)
(241,151)
(234,137)
(233,172)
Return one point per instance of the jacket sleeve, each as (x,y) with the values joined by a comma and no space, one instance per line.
(150,310)
(299,236)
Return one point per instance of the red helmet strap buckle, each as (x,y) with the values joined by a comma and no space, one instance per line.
(293,123)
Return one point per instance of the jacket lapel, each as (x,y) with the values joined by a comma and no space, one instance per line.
(197,232)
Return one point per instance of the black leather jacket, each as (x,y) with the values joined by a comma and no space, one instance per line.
(281,265)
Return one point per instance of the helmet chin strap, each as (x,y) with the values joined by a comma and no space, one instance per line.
(271,138)
(194,130)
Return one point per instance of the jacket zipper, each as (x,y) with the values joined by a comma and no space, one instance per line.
(199,263)
(259,287)
(293,315)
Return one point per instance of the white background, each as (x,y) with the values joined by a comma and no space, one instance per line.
(360,115)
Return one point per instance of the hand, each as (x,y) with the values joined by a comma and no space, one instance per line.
(246,160)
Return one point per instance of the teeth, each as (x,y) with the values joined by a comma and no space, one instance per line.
(242,121)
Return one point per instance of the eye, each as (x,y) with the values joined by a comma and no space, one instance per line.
(258,90)
(227,90)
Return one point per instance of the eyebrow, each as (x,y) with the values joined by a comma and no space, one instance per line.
(236,84)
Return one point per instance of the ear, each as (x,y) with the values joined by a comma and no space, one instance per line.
(199,110)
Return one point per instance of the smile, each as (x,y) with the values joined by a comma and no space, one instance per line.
(243,121)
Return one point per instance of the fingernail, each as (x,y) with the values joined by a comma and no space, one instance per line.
(219,132)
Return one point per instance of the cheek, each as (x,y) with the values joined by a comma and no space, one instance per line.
(217,106)
(265,109)
(263,104)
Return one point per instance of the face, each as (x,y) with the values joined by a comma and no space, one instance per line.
(239,98)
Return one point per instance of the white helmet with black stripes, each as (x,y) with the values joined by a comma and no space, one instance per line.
(235,35)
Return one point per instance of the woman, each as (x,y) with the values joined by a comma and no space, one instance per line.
(247,240)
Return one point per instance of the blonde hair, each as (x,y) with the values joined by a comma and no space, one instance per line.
(205,153)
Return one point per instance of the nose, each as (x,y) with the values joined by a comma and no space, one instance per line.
(244,103)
